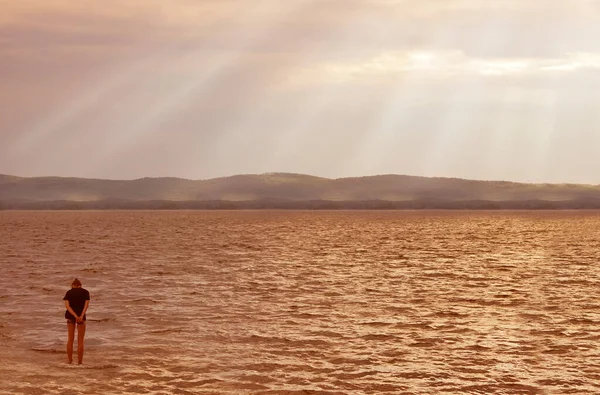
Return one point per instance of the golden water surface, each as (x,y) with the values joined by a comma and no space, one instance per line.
(276,302)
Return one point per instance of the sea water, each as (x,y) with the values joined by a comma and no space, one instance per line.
(295,302)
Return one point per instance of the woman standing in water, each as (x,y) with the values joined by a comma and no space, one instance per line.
(77,300)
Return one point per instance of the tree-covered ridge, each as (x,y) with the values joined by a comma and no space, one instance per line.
(295,189)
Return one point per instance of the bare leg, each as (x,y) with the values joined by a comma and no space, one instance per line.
(71,338)
(80,336)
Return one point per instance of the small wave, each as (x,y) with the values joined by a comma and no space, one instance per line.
(560,349)
(355,375)
(100,319)
(380,337)
(87,366)
(469,370)
(144,300)
(48,350)
(421,375)
(426,342)
(416,325)
(351,361)
(376,323)
(308,315)
(580,321)
(168,330)
(447,314)
(477,347)
(162,273)
(324,333)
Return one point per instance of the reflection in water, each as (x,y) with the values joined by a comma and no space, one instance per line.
(274,302)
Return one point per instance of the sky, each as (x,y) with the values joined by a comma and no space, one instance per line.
(478,89)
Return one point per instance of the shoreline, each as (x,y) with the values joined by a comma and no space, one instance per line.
(313,205)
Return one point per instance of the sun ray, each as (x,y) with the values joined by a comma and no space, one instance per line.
(208,76)
(129,130)
(457,119)
(300,125)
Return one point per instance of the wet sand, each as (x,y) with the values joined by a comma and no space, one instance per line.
(273,302)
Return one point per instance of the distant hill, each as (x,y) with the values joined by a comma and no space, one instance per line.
(290,190)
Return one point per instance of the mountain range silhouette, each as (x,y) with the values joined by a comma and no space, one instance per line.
(287,190)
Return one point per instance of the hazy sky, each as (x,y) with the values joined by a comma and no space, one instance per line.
(483,89)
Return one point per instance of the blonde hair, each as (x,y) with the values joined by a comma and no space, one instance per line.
(76,283)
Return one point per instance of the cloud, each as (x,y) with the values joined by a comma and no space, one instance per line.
(227,86)
(445,64)
(324,30)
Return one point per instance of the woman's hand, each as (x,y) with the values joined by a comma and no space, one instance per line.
(79,320)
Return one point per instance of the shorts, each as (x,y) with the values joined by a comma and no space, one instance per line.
(71,319)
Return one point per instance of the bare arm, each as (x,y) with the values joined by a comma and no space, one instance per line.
(85,307)
(70,310)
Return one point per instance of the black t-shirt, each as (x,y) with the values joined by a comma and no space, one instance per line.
(76,298)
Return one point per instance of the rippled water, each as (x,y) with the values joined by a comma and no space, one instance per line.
(270,302)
